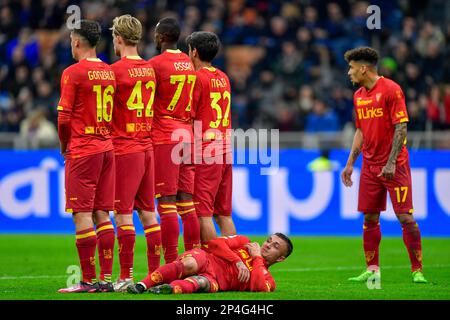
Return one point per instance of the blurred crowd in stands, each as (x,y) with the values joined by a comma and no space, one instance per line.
(284,58)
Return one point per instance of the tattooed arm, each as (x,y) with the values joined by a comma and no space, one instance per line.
(346,175)
(397,144)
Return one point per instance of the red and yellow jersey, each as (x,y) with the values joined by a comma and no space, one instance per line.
(87,97)
(377,111)
(212,107)
(232,250)
(133,105)
(175,82)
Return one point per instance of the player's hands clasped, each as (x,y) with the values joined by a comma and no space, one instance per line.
(388,171)
(244,273)
(346,176)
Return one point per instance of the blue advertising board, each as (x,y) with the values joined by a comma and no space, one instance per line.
(285,197)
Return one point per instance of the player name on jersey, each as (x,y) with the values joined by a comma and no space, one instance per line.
(101,75)
(183,66)
(219,83)
(141,72)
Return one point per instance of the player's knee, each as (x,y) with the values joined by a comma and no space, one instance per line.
(405,218)
(101,217)
(190,266)
(122,219)
(147,217)
(371,217)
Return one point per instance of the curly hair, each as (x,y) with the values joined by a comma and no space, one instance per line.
(365,54)
(90,30)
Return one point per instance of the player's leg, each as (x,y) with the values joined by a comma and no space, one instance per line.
(188,264)
(129,171)
(191,226)
(152,231)
(206,185)
(186,208)
(371,201)
(103,203)
(223,203)
(166,185)
(145,204)
(400,190)
(188,285)
(80,181)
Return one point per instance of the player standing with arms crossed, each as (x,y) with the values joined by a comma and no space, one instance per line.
(213,176)
(132,120)
(174,181)
(381,119)
(84,115)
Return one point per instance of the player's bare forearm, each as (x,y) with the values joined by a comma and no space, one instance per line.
(398,141)
(356,147)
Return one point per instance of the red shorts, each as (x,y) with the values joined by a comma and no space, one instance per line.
(90,183)
(213,189)
(171,177)
(206,267)
(135,184)
(372,189)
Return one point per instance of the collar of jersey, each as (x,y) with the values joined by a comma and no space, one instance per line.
(212,69)
(173,51)
(133,57)
(93,59)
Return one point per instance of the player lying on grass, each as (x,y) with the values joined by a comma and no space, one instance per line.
(228,264)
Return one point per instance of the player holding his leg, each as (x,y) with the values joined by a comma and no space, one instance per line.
(381,119)
(229,264)
(84,114)
(213,171)
(174,176)
(132,120)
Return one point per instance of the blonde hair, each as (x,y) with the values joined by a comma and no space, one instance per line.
(128,27)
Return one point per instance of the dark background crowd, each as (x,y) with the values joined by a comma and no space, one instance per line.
(284,58)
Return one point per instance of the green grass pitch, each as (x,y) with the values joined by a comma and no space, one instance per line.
(34,267)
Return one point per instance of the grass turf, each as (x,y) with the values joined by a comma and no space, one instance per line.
(34,267)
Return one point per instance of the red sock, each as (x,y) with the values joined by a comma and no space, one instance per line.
(188,285)
(191,226)
(165,274)
(126,237)
(371,239)
(170,230)
(412,240)
(105,242)
(153,236)
(86,241)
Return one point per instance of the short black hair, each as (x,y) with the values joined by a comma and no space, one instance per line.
(206,43)
(288,242)
(169,28)
(89,30)
(366,54)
